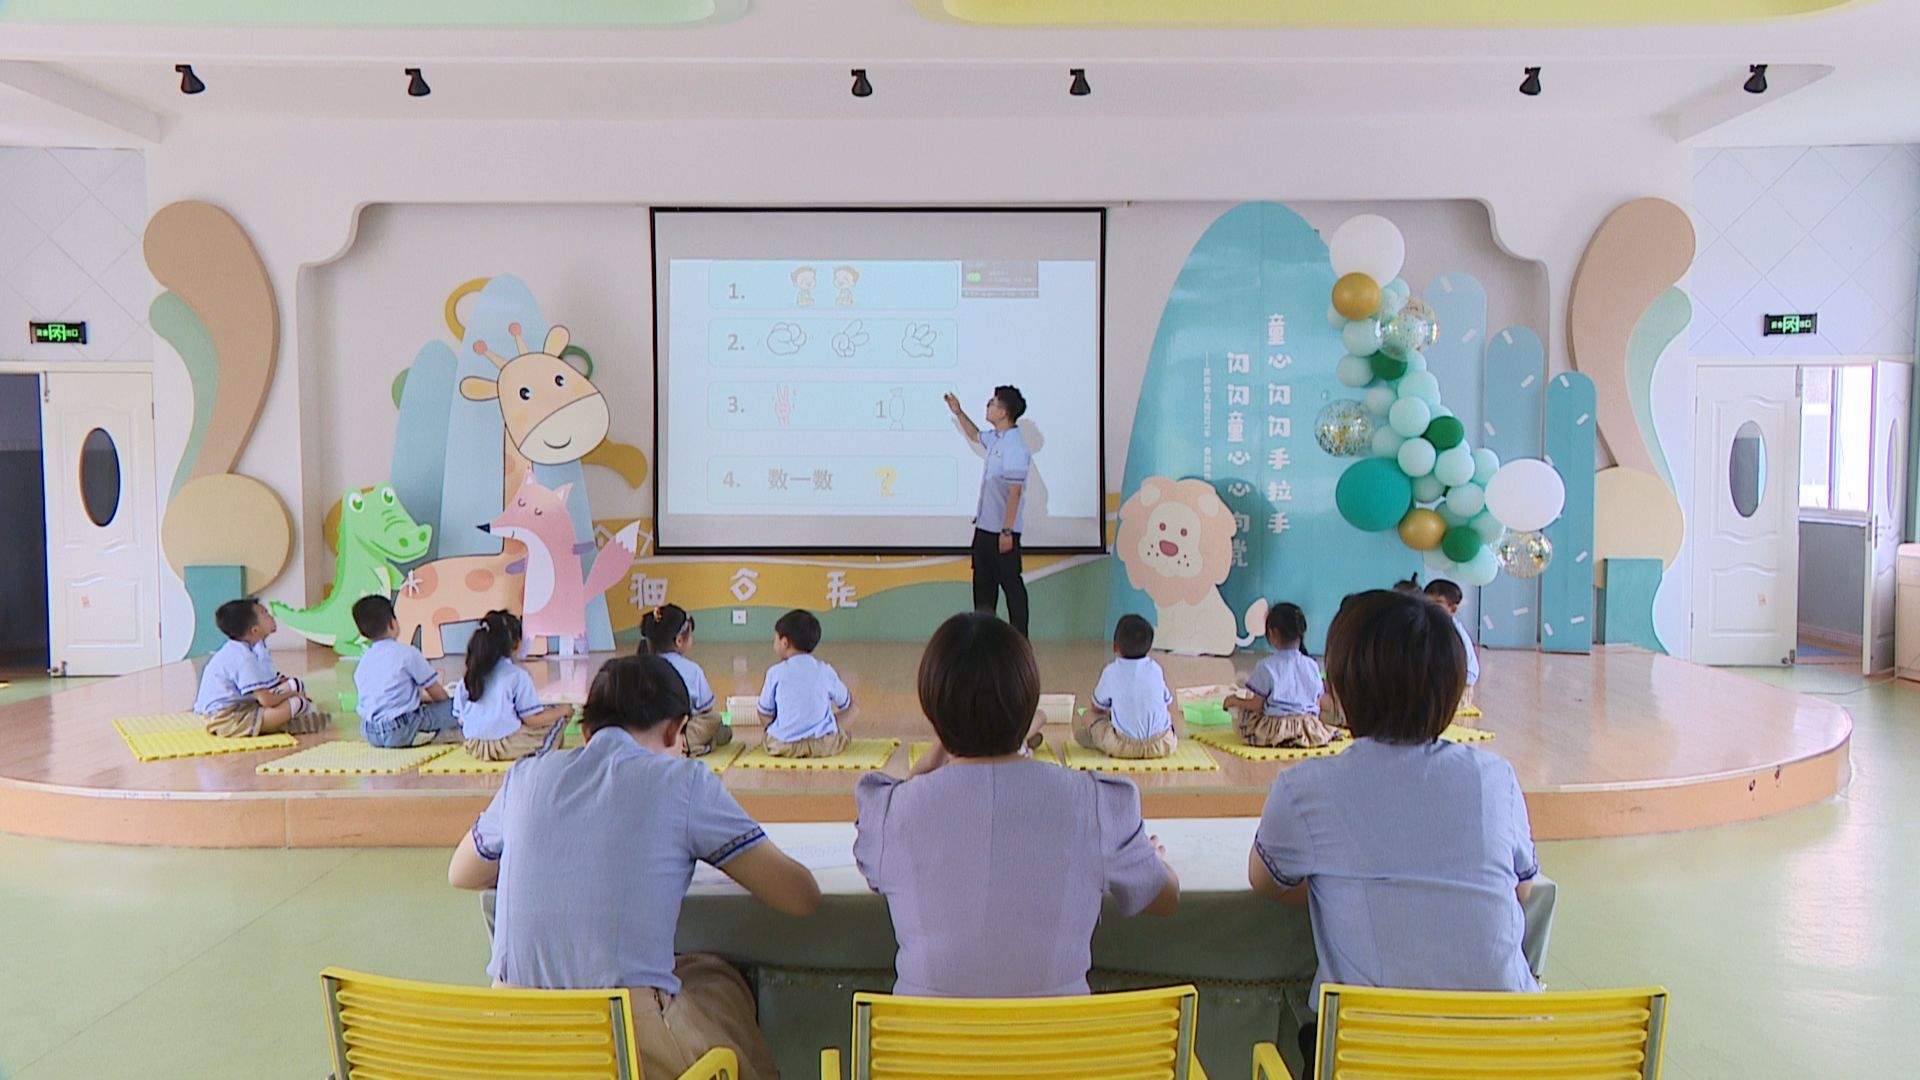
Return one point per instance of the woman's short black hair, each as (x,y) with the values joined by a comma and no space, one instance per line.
(1012,400)
(1396,667)
(979,685)
(638,693)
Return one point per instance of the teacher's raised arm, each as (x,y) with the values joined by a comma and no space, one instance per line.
(967,425)
(998,518)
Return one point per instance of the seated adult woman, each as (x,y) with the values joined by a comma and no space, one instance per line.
(1414,854)
(593,849)
(993,864)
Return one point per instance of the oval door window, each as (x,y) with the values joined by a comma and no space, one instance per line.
(1747,469)
(100,476)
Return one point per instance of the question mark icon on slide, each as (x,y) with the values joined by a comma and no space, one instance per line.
(887,474)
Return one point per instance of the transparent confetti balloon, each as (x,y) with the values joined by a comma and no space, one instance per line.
(1344,428)
(1524,554)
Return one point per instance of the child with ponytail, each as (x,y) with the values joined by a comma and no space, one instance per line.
(500,715)
(1281,705)
(667,632)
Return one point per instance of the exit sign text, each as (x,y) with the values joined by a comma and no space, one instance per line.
(1790,324)
(57,333)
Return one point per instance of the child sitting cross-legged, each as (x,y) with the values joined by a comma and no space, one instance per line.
(499,712)
(240,693)
(401,700)
(1133,711)
(803,702)
(667,632)
(1281,705)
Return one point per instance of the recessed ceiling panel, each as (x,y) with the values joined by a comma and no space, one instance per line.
(1382,13)
(423,14)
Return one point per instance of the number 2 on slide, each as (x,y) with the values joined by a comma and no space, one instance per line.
(733,343)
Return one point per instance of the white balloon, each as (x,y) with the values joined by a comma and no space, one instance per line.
(1455,467)
(1526,494)
(1416,361)
(1353,371)
(1428,489)
(1442,566)
(1335,319)
(1386,442)
(1416,457)
(1410,416)
(1380,399)
(1368,244)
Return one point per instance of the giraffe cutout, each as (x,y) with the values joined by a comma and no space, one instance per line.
(553,414)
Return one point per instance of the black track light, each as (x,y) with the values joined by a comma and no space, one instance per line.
(1530,85)
(189,82)
(1080,87)
(1756,79)
(416,85)
(861,87)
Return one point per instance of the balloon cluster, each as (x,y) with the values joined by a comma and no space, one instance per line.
(1448,500)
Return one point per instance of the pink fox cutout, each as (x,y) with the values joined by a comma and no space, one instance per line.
(557,591)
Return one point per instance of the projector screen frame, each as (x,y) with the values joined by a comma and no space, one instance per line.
(1100,381)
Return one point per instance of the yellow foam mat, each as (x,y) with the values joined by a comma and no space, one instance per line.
(1046,753)
(862,754)
(1229,740)
(723,757)
(1456,733)
(184,735)
(461,763)
(352,757)
(1186,757)
(1468,711)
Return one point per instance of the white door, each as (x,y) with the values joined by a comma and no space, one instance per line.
(1746,515)
(103,531)
(1886,510)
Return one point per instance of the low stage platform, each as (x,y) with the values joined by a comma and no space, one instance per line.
(1619,743)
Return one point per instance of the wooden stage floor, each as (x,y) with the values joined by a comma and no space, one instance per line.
(1620,743)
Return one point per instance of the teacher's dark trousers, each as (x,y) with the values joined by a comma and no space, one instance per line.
(994,573)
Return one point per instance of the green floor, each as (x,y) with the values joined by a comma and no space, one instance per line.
(1788,944)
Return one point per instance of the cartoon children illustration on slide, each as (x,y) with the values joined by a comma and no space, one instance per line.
(844,279)
(804,279)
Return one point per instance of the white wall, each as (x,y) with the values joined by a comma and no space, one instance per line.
(70,225)
(296,188)
(1790,229)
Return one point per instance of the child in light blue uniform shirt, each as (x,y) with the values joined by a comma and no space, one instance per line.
(667,632)
(401,698)
(1448,595)
(1281,706)
(240,693)
(1132,714)
(803,702)
(499,711)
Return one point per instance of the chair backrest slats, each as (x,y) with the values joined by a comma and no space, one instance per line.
(1369,1033)
(1135,1035)
(387,1029)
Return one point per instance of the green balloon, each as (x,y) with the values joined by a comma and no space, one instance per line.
(1373,495)
(1446,432)
(1462,543)
(1387,367)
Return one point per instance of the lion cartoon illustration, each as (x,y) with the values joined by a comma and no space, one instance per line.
(1176,540)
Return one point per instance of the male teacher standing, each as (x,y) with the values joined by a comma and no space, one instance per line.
(997,520)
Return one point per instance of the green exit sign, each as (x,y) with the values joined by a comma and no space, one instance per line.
(57,333)
(1791,324)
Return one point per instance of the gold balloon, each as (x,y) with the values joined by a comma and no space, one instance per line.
(1356,296)
(1422,529)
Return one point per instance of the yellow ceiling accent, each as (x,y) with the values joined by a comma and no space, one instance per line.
(1368,13)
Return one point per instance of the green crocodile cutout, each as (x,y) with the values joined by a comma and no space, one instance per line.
(376,533)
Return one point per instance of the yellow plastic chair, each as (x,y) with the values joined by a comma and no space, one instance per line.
(397,1029)
(1135,1035)
(1564,1035)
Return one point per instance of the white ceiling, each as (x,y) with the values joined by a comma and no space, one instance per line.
(789,59)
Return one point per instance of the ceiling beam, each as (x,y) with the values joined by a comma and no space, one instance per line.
(1703,114)
(57,88)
